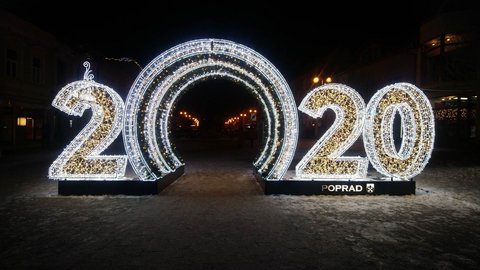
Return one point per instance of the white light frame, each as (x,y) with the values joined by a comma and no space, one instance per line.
(153,95)
(315,103)
(418,134)
(74,99)
(151,101)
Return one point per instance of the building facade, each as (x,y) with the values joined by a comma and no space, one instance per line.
(445,65)
(449,73)
(34,66)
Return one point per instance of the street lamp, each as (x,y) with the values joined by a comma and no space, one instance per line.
(318,79)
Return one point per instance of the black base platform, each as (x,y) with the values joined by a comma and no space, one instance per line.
(127,187)
(373,187)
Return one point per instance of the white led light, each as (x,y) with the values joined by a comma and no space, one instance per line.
(324,160)
(81,159)
(418,131)
(156,90)
(152,98)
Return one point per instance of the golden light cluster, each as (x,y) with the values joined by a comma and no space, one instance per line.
(195,121)
(376,122)
(235,120)
(80,159)
(418,131)
(452,114)
(324,159)
(152,98)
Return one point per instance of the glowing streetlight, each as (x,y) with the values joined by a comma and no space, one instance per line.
(328,80)
(316,79)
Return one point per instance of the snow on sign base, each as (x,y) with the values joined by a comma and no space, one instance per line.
(373,187)
(119,187)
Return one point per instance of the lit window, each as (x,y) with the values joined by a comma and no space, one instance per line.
(432,47)
(455,41)
(21,121)
(433,43)
(459,38)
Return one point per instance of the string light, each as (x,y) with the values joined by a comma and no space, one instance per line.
(125,59)
(323,160)
(152,99)
(80,160)
(418,131)
(452,114)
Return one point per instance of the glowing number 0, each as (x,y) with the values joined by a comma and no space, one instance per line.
(81,160)
(324,159)
(418,130)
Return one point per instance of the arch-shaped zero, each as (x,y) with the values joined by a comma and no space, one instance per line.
(150,102)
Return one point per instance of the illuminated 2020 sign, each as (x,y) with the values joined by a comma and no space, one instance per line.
(145,114)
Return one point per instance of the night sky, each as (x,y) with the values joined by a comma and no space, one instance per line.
(296,37)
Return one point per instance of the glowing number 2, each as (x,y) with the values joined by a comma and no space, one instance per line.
(81,160)
(324,159)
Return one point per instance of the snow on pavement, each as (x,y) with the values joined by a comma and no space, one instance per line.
(216,217)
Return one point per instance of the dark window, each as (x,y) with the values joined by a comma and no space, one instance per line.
(11,64)
(61,73)
(36,70)
(450,57)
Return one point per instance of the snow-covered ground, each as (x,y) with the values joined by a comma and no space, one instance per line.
(216,217)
